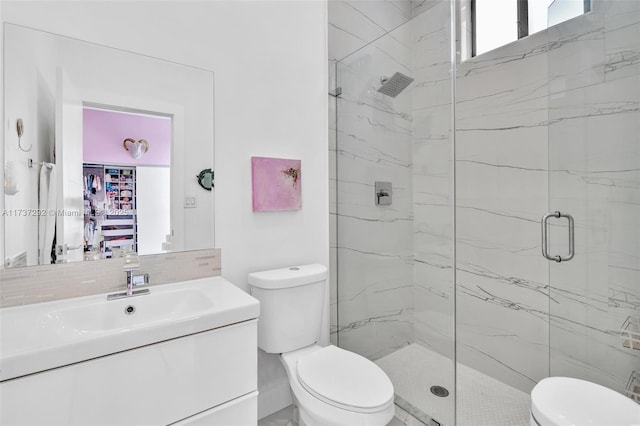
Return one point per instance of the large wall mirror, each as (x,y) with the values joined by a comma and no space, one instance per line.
(102,150)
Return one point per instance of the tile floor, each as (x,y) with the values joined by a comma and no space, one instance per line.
(279,418)
(284,416)
(481,400)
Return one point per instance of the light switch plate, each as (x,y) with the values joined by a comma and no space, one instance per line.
(190,202)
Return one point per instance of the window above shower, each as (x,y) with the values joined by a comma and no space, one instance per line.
(494,23)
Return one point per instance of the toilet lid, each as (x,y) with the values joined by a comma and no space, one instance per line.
(344,379)
(567,401)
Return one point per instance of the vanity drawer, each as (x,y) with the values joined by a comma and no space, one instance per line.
(152,385)
(241,411)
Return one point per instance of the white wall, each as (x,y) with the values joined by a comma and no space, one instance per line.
(269,59)
(153,207)
(31,98)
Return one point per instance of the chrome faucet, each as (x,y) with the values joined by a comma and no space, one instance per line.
(130,265)
(129,282)
(132,280)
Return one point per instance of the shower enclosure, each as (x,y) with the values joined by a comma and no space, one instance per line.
(393,252)
(438,195)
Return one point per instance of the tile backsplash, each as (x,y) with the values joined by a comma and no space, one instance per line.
(23,286)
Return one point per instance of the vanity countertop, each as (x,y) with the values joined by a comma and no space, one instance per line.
(42,336)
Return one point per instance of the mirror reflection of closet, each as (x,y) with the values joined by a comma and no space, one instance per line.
(126,193)
(49,91)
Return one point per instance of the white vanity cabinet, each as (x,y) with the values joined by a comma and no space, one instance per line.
(206,377)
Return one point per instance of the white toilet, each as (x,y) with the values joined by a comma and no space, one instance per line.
(330,386)
(559,401)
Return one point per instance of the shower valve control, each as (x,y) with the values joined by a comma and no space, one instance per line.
(384,193)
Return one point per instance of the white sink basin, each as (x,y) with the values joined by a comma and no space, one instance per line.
(42,336)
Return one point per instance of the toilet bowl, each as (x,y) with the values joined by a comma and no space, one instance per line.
(330,386)
(560,401)
(333,387)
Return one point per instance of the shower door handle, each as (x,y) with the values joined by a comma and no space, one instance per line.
(545,236)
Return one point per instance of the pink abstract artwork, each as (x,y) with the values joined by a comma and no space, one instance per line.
(276,184)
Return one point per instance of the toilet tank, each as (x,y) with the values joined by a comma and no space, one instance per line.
(291,306)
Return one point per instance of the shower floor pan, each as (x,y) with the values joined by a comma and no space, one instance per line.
(482,400)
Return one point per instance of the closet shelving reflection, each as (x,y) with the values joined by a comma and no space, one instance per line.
(110,207)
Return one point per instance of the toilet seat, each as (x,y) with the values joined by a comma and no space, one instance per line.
(313,409)
(567,401)
(345,380)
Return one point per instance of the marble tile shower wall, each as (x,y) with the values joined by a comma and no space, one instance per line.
(502,183)
(551,122)
(432,183)
(22,286)
(374,243)
(594,147)
(352,25)
(531,120)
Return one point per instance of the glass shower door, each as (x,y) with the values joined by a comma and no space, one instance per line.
(594,176)
(394,210)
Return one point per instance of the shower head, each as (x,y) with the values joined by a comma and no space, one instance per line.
(394,85)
